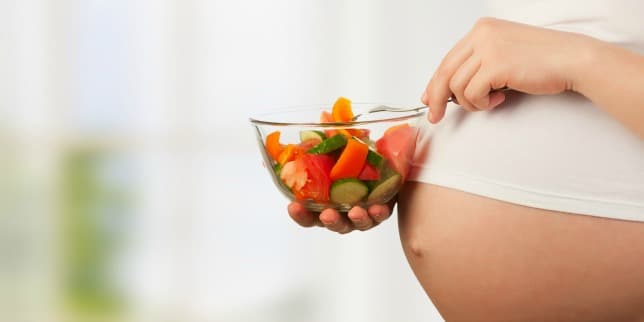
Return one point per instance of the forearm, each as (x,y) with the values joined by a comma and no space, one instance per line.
(613,78)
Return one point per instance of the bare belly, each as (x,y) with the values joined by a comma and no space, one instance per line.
(480,259)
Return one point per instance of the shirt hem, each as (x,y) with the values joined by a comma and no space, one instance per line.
(531,198)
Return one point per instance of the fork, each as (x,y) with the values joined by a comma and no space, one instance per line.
(385,108)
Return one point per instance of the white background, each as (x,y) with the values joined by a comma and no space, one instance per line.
(169,85)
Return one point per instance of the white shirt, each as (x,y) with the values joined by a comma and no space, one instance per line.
(618,21)
(556,152)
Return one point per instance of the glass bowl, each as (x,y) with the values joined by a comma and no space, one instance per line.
(337,165)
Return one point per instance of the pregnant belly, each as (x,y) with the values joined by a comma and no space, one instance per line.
(480,259)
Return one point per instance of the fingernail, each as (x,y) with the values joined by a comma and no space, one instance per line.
(431,118)
(424,97)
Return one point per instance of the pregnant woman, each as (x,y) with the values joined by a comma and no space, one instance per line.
(533,208)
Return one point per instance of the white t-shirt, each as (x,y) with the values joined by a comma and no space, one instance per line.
(557,152)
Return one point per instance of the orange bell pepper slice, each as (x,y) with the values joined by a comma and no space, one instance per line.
(327,117)
(351,161)
(342,111)
(345,133)
(273,146)
(290,153)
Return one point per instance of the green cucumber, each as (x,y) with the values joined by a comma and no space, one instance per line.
(375,159)
(329,145)
(308,135)
(348,191)
(385,188)
(278,169)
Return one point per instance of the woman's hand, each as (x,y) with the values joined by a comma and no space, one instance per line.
(497,54)
(357,219)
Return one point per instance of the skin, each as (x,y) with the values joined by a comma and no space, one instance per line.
(532,60)
(482,259)
(356,219)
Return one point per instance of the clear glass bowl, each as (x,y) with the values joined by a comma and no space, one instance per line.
(390,136)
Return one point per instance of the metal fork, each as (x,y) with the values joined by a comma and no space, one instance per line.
(385,108)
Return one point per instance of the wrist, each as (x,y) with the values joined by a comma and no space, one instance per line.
(585,63)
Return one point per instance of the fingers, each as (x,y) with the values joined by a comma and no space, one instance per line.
(438,90)
(379,213)
(360,218)
(334,221)
(478,92)
(461,79)
(496,98)
(357,218)
(302,216)
(329,218)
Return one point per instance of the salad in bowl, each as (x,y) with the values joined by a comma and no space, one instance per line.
(323,158)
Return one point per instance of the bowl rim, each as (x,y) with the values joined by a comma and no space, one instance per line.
(258,120)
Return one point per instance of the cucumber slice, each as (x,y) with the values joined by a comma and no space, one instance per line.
(308,135)
(375,159)
(385,188)
(348,191)
(329,145)
(278,169)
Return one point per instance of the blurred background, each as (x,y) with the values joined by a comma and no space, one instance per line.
(131,186)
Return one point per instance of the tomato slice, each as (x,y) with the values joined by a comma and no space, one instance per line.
(396,127)
(397,147)
(362,134)
(307,144)
(318,184)
(369,172)
(326,117)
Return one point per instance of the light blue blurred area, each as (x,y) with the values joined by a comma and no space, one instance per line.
(131,185)
(101,66)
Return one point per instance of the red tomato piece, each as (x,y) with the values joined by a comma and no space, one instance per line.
(318,184)
(326,117)
(397,147)
(307,144)
(369,172)
(362,134)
